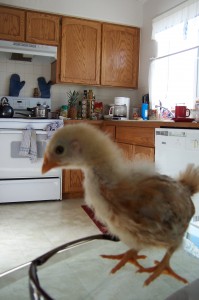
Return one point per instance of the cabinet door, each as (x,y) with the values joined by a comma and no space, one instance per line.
(80,51)
(134,152)
(128,150)
(12,24)
(143,153)
(109,130)
(120,56)
(72,181)
(42,28)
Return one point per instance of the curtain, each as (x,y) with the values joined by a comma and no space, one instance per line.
(173,72)
(180,14)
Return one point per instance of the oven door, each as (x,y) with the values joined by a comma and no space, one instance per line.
(13,166)
(20,179)
(25,190)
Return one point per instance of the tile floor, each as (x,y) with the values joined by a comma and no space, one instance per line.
(28,230)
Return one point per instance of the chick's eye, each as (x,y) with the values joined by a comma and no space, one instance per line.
(59,149)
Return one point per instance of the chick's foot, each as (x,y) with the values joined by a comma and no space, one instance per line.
(130,256)
(160,268)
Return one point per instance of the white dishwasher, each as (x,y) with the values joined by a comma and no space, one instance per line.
(174,149)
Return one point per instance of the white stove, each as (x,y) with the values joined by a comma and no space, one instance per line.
(21,179)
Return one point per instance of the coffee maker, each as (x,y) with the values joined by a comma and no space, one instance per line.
(121,108)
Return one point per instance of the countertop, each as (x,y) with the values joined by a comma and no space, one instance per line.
(135,123)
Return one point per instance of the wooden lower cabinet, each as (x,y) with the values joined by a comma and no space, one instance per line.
(127,150)
(135,152)
(137,143)
(72,184)
(72,179)
(142,136)
(109,130)
(143,153)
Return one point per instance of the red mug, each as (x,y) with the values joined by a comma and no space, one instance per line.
(181,111)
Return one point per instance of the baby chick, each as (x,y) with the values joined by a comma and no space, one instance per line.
(138,205)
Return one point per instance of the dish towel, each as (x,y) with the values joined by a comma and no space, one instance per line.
(52,127)
(28,147)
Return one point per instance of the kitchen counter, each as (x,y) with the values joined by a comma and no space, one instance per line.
(135,123)
(153,124)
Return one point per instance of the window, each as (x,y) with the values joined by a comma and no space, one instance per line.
(174,72)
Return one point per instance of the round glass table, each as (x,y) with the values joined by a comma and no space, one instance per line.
(77,271)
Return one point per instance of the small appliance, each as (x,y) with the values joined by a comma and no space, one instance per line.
(118,111)
(121,108)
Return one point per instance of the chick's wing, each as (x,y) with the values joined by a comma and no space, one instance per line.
(158,206)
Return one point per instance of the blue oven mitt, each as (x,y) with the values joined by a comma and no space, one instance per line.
(15,85)
(44,87)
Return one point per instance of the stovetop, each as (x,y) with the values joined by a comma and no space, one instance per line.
(29,117)
(22,103)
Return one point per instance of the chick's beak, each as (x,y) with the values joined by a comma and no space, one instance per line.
(48,164)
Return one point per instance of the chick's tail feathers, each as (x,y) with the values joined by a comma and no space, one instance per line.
(190,178)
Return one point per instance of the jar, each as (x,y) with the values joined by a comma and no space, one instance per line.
(64,111)
(36,93)
(90,94)
(136,113)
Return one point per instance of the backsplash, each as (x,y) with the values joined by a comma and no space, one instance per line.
(102,94)
(28,71)
(41,66)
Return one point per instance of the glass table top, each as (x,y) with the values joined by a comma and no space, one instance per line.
(79,272)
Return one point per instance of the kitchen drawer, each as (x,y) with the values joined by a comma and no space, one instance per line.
(135,135)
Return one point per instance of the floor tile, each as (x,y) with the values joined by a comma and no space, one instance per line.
(28,230)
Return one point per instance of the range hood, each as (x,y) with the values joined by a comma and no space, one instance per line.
(27,49)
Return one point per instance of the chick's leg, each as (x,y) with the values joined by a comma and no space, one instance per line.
(162,267)
(129,256)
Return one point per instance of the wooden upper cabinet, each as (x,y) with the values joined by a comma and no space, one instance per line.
(42,28)
(80,51)
(12,24)
(120,56)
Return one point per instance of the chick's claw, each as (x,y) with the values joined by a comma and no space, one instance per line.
(159,269)
(130,256)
